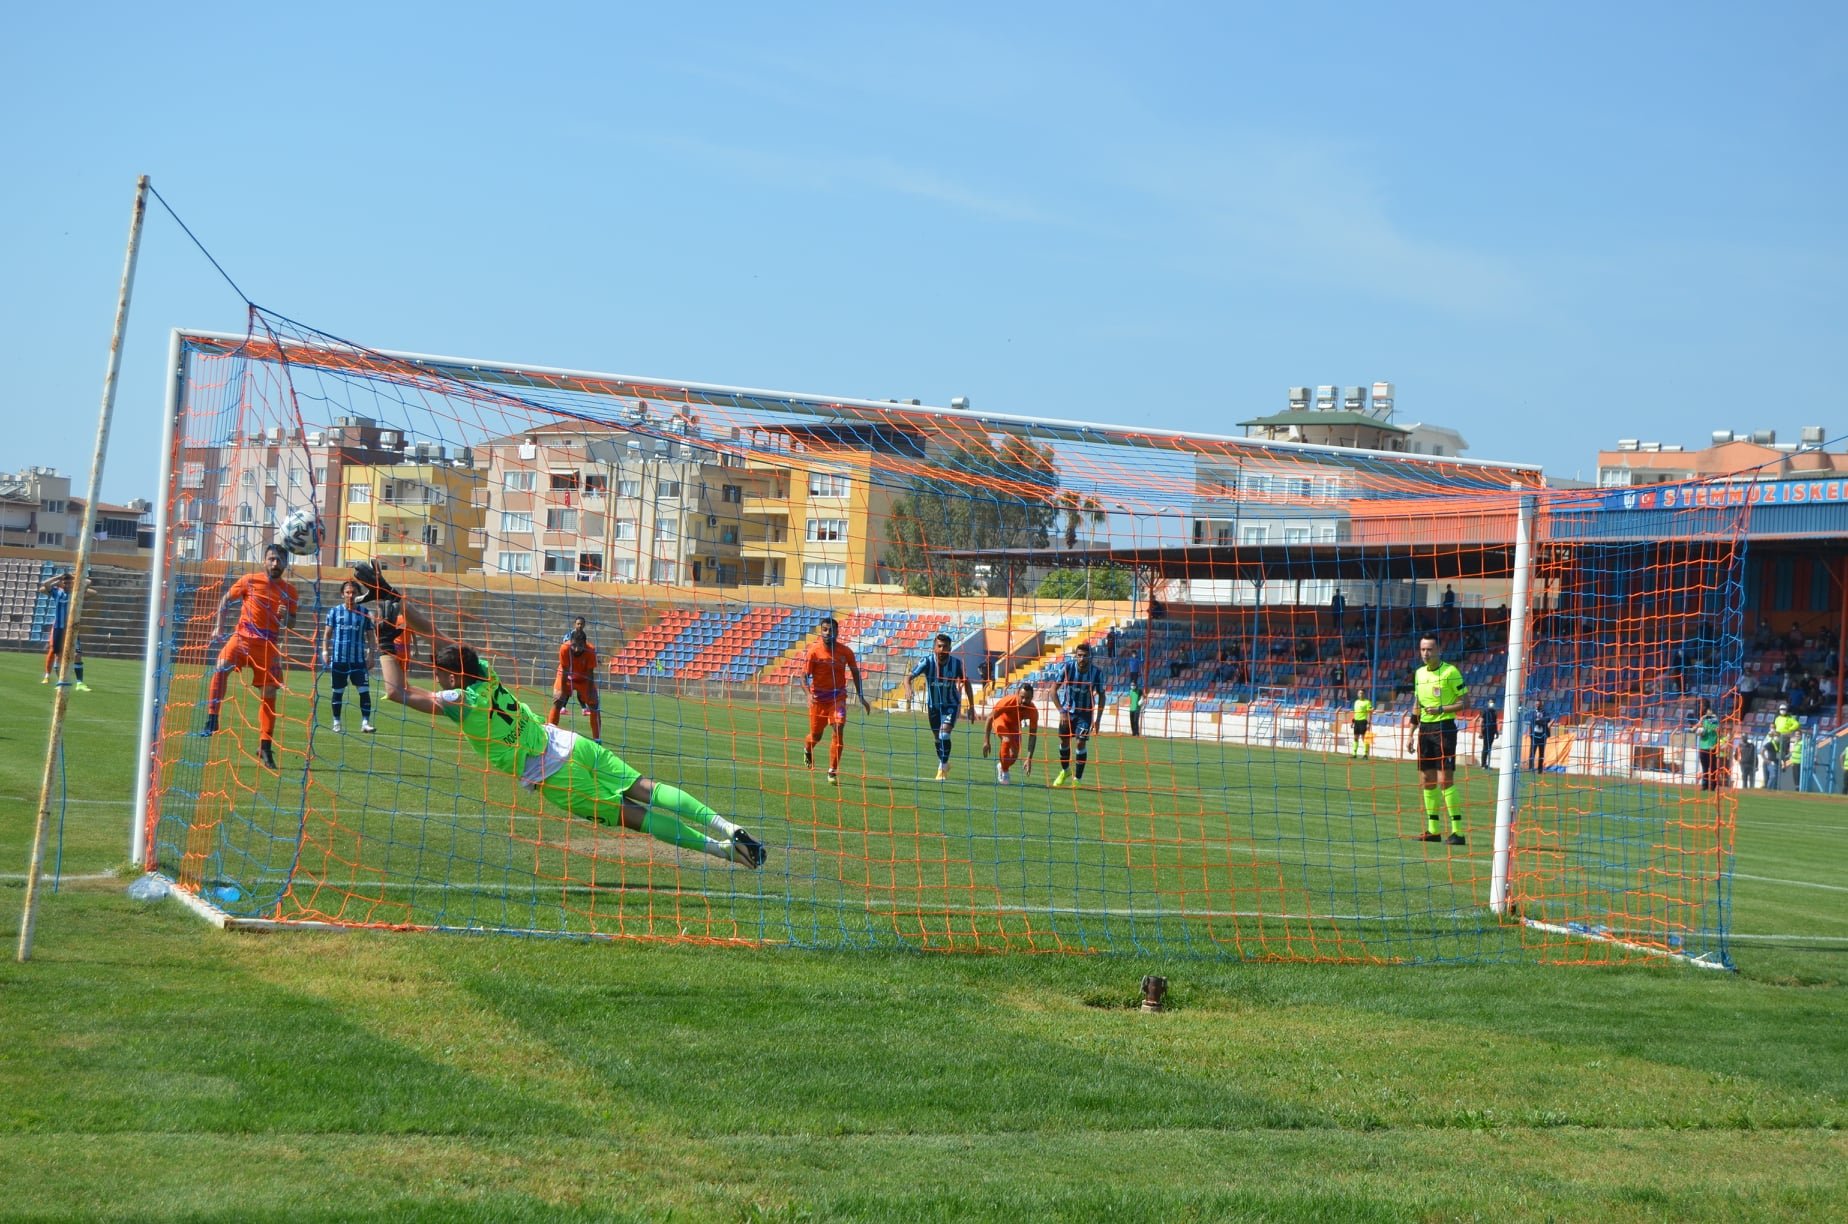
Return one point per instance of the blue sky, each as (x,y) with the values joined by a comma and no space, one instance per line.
(1550,226)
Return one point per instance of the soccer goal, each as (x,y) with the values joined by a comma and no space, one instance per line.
(640,659)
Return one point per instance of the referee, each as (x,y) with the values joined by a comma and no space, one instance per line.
(1441,696)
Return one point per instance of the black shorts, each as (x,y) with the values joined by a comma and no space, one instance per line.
(343,674)
(1361,726)
(57,642)
(942,720)
(1437,745)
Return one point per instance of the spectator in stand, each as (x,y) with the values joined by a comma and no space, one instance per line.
(1450,607)
(1337,608)
(1773,758)
(1491,727)
(1762,639)
(1135,710)
(1110,641)
(1135,668)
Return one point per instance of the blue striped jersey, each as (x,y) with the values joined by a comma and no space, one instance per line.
(942,682)
(1083,687)
(347,634)
(60,607)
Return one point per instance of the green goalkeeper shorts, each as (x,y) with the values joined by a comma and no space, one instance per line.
(591,783)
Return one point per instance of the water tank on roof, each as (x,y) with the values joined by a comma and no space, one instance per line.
(1354,399)
(1299,399)
(1811,435)
(1764,437)
(1722,436)
(1325,400)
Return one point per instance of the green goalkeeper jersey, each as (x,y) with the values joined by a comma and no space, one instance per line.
(1438,686)
(497,724)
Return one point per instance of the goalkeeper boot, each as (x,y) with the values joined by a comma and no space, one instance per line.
(747,851)
(266,754)
(372,584)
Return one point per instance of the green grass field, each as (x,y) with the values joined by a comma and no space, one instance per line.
(157,1068)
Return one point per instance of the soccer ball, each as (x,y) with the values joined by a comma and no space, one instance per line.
(301,532)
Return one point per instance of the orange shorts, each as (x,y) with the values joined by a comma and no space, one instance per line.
(584,690)
(262,658)
(824,714)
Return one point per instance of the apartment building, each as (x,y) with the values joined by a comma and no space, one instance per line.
(420,515)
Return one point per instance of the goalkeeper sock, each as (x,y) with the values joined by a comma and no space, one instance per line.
(663,827)
(692,811)
(1430,807)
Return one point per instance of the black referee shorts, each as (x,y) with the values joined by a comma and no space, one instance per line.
(1437,745)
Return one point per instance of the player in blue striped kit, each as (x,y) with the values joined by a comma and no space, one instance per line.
(58,586)
(345,650)
(1079,694)
(942,672)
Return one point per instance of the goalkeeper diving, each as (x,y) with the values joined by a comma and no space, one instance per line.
(571,772)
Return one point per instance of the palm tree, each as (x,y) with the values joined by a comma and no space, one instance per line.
(1077,508)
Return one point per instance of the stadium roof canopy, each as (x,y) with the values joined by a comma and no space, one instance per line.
(1249,562)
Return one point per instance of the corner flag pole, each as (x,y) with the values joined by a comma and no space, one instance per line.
(80,576)
(1511,703)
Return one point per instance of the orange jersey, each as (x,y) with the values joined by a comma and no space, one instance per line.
(577,668)
(1010,712)
(265,604)
(827,671)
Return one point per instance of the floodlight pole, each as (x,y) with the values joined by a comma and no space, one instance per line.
(1511,703)
(160,606)
(81,575)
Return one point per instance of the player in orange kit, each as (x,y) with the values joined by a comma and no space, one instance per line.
(268,604)
(577,674)
(1004,720)
(824,673)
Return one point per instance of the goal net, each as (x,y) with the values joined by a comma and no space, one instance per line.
(1227,747)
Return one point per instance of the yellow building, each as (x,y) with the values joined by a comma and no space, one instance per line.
(819,518)
(419,515)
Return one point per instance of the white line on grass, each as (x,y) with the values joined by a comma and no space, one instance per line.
(1740,875)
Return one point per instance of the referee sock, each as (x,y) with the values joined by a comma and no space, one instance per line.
(1430,806)
(1450,806)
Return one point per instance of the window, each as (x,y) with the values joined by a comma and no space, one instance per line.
(359,533)
(295,478)
(1253,535)
(824,484)
(521,481)
(516,524)
(1295,535)
(622,570)
(192,476)
(563,480)
(195,510)
(269,515)
(561,520)
(589,564)
(824,574)
(516,563)
(595,484)
(666,529)
(668,488)
(320,477)
(357,494)
(249,479)
(827,531)
(560,563)
(432,534)
(728,535)
(628,488)
(271,477)
(664,571)
(246,513)
(625,529)
(732,493)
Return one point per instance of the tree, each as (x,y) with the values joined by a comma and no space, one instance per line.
(980,496)
(1092,582)
(1077,508)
